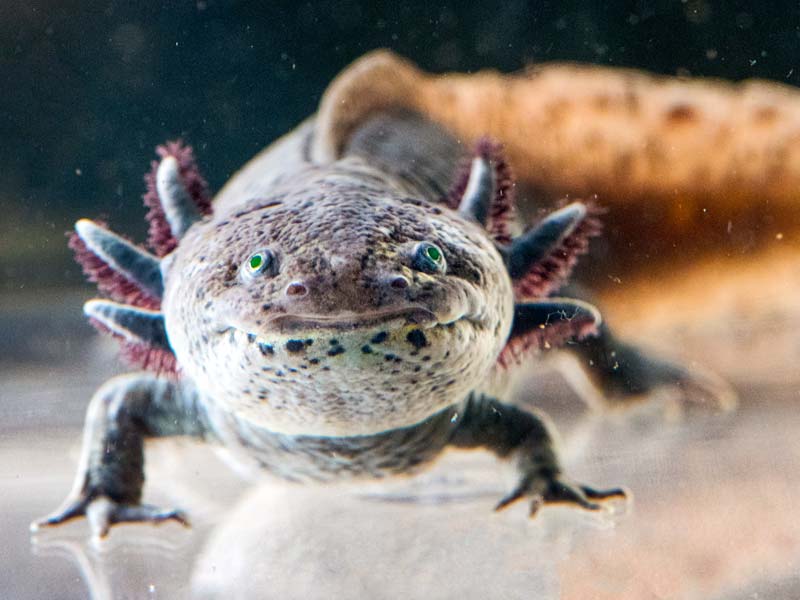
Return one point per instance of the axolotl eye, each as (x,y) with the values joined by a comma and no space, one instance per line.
(428,258)
(259,264)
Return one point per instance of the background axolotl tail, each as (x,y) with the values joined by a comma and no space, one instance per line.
(699,178)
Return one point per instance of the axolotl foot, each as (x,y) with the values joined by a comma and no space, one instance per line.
(524,436)
(102,512)
(122,414)
(547,488)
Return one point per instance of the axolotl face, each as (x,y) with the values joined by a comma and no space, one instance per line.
(337,309)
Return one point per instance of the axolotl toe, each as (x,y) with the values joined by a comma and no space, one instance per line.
(333,320)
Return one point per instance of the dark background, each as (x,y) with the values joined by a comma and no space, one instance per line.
(87,89)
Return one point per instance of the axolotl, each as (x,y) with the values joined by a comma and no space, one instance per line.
(351,318)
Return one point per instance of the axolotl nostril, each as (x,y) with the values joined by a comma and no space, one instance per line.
(334,320)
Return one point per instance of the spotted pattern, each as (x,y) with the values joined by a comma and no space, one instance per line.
(417,339)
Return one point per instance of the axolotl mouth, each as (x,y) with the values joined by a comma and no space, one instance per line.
(313,339)
(286,324)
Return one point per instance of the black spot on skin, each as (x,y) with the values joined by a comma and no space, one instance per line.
(266,307)
(313,361)
(279,373)
(417,369)
(266,349)
(336,350)
(295,346)
(366,349)
(379,338)
(334,342)
(251,337)
(389,357)
(309,341)
(417,339)
(426,358)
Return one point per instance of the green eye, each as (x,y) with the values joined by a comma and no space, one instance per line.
(260,263)
(428,258)
(433,253)
(256,261)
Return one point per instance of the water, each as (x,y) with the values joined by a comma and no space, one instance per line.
(90,91)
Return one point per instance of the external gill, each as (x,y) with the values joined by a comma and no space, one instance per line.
(484,190)
(548,324)
(121,270)
(180,210)
(541,260)
(135,265)
(538,262)
(140,331)
(134,325)
(177,197)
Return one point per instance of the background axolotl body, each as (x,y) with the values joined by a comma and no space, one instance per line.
(350,317)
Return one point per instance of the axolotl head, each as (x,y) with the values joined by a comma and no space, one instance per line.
(337,307)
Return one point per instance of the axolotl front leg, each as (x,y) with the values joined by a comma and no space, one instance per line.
(122,414)
(524,436)
(511,432)
(131,408)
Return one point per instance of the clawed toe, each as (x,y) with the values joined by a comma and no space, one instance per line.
(559,492)
(603,494)
(146,513)
(69,511)
(510,499)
